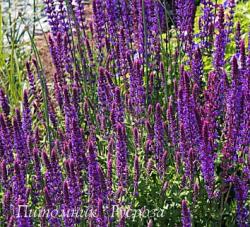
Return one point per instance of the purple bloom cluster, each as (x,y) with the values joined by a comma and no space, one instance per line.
(185,212)
(135,117)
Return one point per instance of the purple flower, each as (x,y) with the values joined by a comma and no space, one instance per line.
(136,89)
(19,182)
(89,52)
(52,15)
(197,68)
(7,205)
(4,176)
(99,20)
(136,174)
(215,102)
(127,20)
(80,14)
(104,95)
(38,174)
(136,137)
(58,56)
(53,178)
(110,163)
(74,187)
(184,16)
(4,103)
(62,16)
(22,219)
(66,52)
(67,207)
(121,155)
(52,115)
(233,112)
(220,41)
(238,37)
(206,24)
(6,141)
(31,79)
(111,7)
(118,106)
(241,193)
(243,63)
(139,33)
(58,92)
(26,116)
(185,214)
(163,163)
(243,138)
(230,16)
(78,152)
(196,189)
(95,191)
(172,123)
(20,143)
(149,147)
(121,56)
(53,220)
(207,161)
(101,218)
(158,134)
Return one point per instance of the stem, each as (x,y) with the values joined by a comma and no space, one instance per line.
(41,76)
(34,19)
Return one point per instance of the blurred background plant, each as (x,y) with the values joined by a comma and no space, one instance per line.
(16,17)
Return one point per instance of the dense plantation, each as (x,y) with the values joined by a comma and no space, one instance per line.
(146,121)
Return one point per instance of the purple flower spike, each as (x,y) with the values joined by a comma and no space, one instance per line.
(197,67)
(184,16)
(241,191)
(96,181)
(158,134)
(31,79)
(52,16)
(172,123)
(207,161)
(121,155)
(104,96)
(19,180)
(20,143)
(185,214)
(53,177)
(136,137)
(22,219)
(136,175)
(4,103)
(67,207)
(238,37)
(101,218)
(78,152)
(136,89)
(220,41)
(206,24)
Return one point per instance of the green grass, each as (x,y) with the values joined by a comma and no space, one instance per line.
(14,52)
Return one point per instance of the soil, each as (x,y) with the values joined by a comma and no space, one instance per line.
(45,56)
